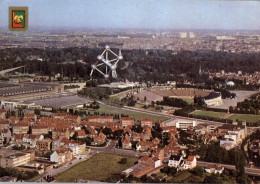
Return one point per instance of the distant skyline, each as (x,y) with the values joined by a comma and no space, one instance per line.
(139,14)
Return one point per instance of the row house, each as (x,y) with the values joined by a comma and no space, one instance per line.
(60,132)
(100,119)
(146,122)
(4,124)
(32,139)
(77,148)
(44,144)
(39,130)
(21,128)
(74,118)
(30,116)
(61,156)
(145,146)
(127,121)
(14,119)
(59,115)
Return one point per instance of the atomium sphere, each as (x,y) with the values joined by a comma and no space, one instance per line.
(119,57)
(100,57)
(94,66)
(113,67)
(106,76)
(107,47)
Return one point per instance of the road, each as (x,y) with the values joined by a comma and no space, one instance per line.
(110,148)
(253,171)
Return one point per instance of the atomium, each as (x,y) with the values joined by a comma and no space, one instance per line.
(110,64)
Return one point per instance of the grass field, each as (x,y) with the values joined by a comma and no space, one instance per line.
(101,167)
(188,100)
(245,117)
(137,115)
(208,113)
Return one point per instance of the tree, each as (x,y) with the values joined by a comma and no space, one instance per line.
(107,131)
(198,171)
(123,161)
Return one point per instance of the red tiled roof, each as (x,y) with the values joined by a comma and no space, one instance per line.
(147,119)
(191,158)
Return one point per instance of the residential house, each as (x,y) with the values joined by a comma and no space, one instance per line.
(100,119)
(147,122)
(147,133)
(100,139)
(127,121)
(60,132)
(21,128)
(30,115)
(39,130)
(4,124)
(126,143)
(145,146)
(2,113)
(59,115)
(74,118)
(61,156)
(175,161)
(44,144)
(81,134)
(214,168)
(189,163)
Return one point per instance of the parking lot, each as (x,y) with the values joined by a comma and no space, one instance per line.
(241,96)
(61,101)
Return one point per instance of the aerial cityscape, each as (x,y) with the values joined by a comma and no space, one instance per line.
(134,91)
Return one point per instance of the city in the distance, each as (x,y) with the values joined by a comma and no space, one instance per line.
(151,91)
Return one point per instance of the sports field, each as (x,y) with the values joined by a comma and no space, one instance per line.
(208,113)
(101,167)
(245,117)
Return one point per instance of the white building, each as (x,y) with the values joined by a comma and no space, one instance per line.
(183,35)
(184,124)
(175,161)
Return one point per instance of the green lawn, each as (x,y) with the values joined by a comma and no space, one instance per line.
(188,100)
(208,113)
(137,115)
(245,117)
(101,167)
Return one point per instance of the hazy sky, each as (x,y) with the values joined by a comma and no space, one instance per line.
(139,14)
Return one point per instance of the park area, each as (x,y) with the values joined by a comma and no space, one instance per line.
(105,109)
(102,167)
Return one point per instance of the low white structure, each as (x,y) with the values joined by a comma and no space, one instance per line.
(184,124)
(213,168)
(175,161)
(213,99)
